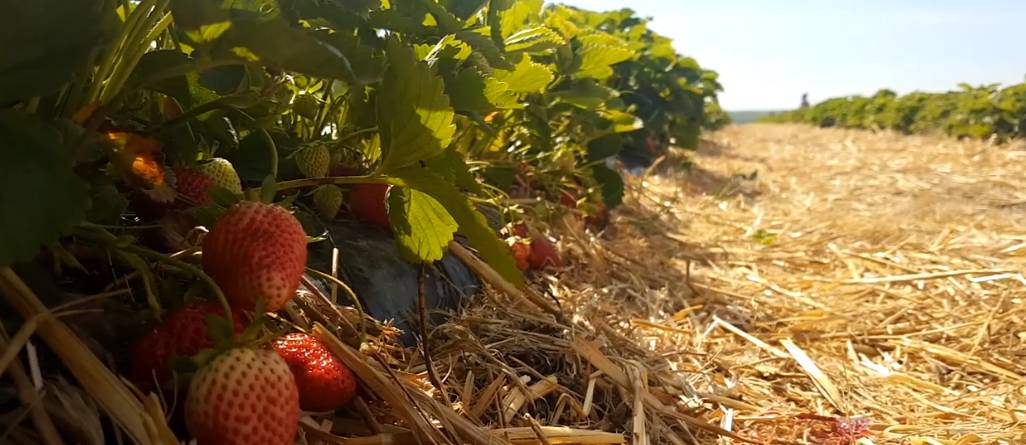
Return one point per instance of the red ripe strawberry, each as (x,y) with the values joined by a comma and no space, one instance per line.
(256,251)
(324,383)
(171,108)
(145,207)
(521,252)
(194,185)
(368,203)
(520,230)
(524,168)
(599,217)
(543,254)
(243,397)
(148,365)
(568,199)
(183,333)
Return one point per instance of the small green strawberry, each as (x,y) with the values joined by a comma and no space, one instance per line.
(328,200)
(243,397)
(313,160)
(223,174)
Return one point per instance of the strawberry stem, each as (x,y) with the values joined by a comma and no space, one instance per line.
(338,180)
(190,269)
(350,293)
(272,148)
(101,235)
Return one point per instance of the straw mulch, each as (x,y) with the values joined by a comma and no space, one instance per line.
(872,276)
(793,286)
(858,288)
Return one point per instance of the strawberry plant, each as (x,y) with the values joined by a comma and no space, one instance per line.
(292,90)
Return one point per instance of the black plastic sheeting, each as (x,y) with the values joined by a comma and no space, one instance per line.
(385,284)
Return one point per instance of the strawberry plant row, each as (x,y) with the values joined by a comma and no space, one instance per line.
(970,112)
(148,107)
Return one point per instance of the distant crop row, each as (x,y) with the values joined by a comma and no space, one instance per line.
(969,112)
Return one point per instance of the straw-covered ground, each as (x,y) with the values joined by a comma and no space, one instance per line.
(873,275)
(796,285)
(792,286)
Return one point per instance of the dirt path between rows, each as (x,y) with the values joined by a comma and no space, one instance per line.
(874,279)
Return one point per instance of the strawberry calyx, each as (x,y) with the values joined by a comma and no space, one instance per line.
(255,335)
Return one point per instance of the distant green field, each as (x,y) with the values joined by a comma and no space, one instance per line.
(744,117)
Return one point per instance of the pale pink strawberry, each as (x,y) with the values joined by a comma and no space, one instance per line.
(256,251)
(243,397)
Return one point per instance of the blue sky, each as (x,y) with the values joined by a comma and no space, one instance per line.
(768,52)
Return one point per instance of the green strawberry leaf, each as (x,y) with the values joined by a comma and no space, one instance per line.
(472,91)
(464,9)
(249,33)
(604,147)
(526,77)
(403,16)
(222,196)
(252,331)
(421,226)
(207,215)
(46,43)
(501,176)
(532,40)
(152,72)
(107,203)
(288,201)
(414,115)
(611,184)
(252,160)
(341,13)
(486,47)
(516,14)
(220,331)
(472,224)
(275,42)
(368,61)
(40,195)
(199,21)
(175,74)
(186,366)
(225,80)
(622,122)
(597,54)
(453,168)
(587,94)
